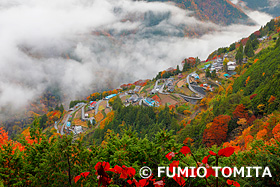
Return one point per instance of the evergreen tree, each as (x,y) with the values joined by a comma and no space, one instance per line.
(178,70)
(43,121)
(239,55)
(61,108)
(208,74)
(255,43)
(225,65)
(232,47)
(213,74)
(197,61)
(249,52)
(278,42)
(56,107)
(186,66)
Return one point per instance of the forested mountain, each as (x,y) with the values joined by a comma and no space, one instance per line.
(221,12)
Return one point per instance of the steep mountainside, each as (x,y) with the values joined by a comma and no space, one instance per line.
(262,79)
(221,12)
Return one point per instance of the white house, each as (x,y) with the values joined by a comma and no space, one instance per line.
(231,66)
(78,129)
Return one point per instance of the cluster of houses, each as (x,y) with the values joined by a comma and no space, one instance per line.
(218,65)
(170,84)
(133,99)
(136,90)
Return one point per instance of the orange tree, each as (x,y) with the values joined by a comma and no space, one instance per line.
(217,132)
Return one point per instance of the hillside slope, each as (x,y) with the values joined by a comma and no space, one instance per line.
(264,79)
(221,12)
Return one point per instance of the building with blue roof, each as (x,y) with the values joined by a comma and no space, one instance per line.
(151,102)
(207,66)
(227,75)
(68,124)
(110,96)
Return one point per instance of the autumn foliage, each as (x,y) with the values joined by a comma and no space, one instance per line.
(125,176)
(217,133)
(4,141)
(240,112)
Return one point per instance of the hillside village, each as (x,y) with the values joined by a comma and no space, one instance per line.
(179,89)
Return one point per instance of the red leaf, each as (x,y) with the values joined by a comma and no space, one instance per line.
(212,153)
(77,178)
(172,165)
(180,180)
(131,171)
(210,172)
(104,165)
(229,182)
(85,174)
(170,155)
(129,182)
(126,172)
(143,182)
(117,169)
(236,184)
(151,178)
(228,151)
(252,96)
(123,174)
(205,159)
(185,150)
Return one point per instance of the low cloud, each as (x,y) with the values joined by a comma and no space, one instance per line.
(80,45)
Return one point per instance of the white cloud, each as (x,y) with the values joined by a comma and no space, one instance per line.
(260,18)
(37,35)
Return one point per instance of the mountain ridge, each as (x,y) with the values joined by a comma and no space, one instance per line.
(222,12)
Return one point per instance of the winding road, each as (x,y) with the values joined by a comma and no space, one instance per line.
(63,126)
(154,90)
(192,89)
(188,98)
(97,106)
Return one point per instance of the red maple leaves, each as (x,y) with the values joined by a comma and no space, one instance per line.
(185,150)
(234,183)
(225,152)
(84,174)
(128,173)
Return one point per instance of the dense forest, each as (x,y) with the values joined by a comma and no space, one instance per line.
(145,121)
